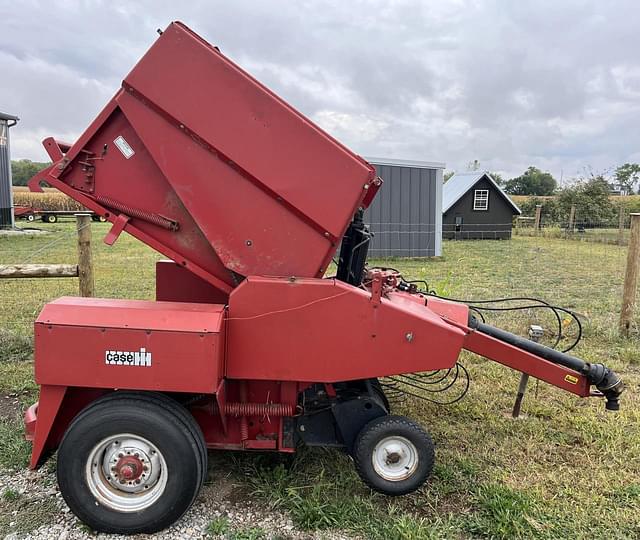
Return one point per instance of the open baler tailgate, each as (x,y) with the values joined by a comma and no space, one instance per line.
(199,160)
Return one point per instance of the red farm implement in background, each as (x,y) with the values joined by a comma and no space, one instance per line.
(247,346)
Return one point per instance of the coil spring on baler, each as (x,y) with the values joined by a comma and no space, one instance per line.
(257,409)
(149,217)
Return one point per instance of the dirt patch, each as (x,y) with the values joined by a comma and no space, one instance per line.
(10,407)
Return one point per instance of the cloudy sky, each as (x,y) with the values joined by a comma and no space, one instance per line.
(510,83)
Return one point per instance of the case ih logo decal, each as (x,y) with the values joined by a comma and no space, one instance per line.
(128,358)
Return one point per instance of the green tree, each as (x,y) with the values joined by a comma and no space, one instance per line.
(627,175)
(23,169)
(592,199)
(448,175)
(497,177)
(532,182)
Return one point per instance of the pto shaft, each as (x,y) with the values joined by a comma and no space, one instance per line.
(603,378)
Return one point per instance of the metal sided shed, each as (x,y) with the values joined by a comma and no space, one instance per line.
(406,214)
(6,193)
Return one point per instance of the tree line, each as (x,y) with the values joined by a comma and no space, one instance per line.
(595,207)
(590,193)
(23,169)
(534,181)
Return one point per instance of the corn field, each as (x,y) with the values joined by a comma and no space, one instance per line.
(51,199)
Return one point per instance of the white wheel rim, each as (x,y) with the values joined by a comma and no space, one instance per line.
(395,458)
(126,473)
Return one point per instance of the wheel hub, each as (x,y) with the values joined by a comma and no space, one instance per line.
(130,465)
(129,468)
(126,472)
(395,458)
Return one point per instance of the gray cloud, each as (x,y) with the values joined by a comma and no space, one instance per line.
(546,83)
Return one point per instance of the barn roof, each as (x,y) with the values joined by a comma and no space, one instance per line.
(406,163)
(5,116)
(460,183)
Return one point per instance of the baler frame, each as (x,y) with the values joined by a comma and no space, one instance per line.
(247,346)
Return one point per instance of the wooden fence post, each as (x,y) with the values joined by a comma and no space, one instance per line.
(621,224)
(85,264)
(536,225)
(572,219)
(631,277)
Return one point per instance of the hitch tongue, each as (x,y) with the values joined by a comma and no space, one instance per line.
(600,376)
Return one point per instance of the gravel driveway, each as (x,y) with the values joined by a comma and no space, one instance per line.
(36,502)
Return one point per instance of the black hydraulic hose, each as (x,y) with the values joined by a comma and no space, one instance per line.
(604,379)
(538,349)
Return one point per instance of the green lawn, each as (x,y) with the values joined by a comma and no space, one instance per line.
(567,469)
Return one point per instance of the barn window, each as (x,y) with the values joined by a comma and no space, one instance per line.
(481,199)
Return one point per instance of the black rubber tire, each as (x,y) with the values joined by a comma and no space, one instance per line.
(377,430)
(176,408)
(148,416)
(377,387)
(50,218)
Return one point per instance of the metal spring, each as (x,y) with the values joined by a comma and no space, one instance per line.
(155,219)
(257,409)
(244,428)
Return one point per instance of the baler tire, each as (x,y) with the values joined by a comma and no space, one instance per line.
(178,409)
(377,387)
(390,428)
(146,421)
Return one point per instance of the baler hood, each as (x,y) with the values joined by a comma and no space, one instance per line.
(202,162)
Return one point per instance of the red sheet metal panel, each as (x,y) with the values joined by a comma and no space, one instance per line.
(213,169)
(130,344)
(327,331)
(174,283)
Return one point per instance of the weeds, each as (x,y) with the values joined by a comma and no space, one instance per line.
(10,495)
(247,533)
(14,449)
(23,515)
(217,526)
(220,526)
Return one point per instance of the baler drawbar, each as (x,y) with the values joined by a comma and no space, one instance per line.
(604,379)
(248,346)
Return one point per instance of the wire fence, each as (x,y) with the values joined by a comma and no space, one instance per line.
(579,270)
(125,270)
(598,231)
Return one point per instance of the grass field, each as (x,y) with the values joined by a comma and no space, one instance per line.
(602,235)
(568,469)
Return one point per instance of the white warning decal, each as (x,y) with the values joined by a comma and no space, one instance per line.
(123,146)
(128,358)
